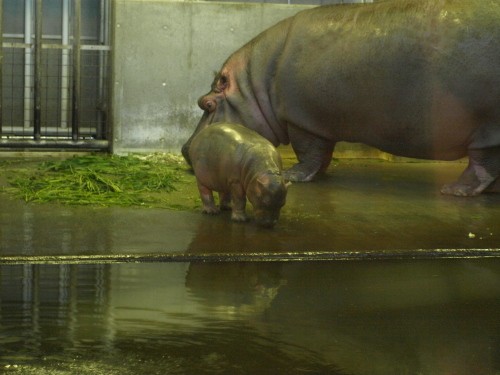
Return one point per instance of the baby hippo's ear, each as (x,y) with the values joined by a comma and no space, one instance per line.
(263,181)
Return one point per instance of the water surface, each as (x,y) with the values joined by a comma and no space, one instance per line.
(351,318)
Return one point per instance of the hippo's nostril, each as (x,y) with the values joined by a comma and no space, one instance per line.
(207,104)
(211,105)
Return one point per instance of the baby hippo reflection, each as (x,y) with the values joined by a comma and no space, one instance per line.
(238,163)
(235,290)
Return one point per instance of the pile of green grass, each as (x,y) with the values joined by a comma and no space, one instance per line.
(100,180)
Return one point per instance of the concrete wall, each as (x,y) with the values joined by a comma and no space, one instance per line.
(165,54)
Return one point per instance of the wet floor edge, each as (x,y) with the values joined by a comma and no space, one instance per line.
(418,254)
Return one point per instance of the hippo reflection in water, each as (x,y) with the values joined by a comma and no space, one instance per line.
(415,78)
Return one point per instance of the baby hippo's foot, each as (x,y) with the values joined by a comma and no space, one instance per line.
(239,216)
(210,210)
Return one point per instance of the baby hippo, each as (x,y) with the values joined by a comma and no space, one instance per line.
(238,163)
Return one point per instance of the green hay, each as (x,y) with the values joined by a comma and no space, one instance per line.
(101,180)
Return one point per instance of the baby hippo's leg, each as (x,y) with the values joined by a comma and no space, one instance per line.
(207,198)
(239,200)
(225,201)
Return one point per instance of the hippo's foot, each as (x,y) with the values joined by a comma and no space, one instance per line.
(313,153)
(300,172)
(480,175)
(470,190)
(239,216)
(460,190)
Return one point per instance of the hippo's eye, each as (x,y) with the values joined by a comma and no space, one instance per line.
(222,83)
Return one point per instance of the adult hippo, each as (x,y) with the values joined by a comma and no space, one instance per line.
(415,78)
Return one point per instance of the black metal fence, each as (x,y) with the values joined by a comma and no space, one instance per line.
(54,63)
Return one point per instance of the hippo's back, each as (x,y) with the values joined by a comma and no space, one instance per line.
(228,148)
(224,137)
(411,77)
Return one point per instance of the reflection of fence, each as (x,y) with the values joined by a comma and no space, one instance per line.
(39,303)
(55,87)
(301,2)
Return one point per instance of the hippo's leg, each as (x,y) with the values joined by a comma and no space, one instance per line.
(239,200)
(207,199)
(313,153)
(481,173)
(225,201)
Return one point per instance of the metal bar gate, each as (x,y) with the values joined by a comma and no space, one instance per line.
(54,70)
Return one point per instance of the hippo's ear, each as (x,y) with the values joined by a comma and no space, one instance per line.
(263,181)
(262,184)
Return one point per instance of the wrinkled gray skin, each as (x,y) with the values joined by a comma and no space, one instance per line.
(238,163)
(415,78)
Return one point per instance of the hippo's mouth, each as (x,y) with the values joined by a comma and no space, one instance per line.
(266,219)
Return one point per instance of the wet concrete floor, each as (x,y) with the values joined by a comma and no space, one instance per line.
(359,209)
(217,306)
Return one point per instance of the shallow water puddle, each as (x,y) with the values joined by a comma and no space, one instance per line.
(390,317)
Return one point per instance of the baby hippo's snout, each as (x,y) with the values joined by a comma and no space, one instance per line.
(266,219)
(267,198)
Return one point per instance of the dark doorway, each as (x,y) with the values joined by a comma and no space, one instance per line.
(54,73)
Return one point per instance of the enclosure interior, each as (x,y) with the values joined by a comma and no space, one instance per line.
(370,269)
